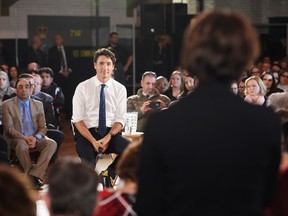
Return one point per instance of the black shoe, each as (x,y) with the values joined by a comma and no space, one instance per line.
(105,179)
(36,182)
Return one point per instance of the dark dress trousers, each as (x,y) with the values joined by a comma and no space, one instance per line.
(210,154)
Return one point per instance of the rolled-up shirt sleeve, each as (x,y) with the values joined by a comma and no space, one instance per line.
(121,107)
(78,104)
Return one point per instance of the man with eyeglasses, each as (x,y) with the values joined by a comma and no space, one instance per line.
(147,100)
(283,81)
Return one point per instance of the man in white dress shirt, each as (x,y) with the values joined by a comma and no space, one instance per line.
(85,117)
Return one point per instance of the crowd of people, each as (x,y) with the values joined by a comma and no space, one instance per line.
(206,149)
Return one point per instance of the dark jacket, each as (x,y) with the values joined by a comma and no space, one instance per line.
(196,160)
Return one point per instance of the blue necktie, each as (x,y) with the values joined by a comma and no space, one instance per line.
(27,128)
(102,129)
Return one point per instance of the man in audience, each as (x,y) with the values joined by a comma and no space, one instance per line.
(147,100)
(162,84)
(25,128)
(72,189)
(194,159)
(51,88)
(99,108)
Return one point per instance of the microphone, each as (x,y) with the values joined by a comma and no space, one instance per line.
(100,153)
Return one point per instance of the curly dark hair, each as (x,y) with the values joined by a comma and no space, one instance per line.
(104,52)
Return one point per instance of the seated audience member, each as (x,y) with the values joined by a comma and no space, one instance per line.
(276,67)
(270,83)
(5,90)
(47,101)
(234,87)
(223,171)
(120,201)
(147,100)
(161,84)
(16,199)
(72,189)
(32,68)
(255,91)
(51,88)
(241,87)
(25,128)
(13,75)
(176,84)
(266,67)
(255,71)
(188,85)
(4,67)
(283,80)
(52,124)
(278,101)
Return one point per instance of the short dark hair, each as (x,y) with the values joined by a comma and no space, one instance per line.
(23,78)
(72,188)
(219,45)
(104,52)
(47,70)
(112,33)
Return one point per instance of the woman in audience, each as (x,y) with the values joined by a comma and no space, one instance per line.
(188,85)
(255,90)
(13,76)
(5,89)
(176,86)
(120,201)
(16,198)
(270,83)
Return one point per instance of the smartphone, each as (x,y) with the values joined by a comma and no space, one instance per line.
(154,105)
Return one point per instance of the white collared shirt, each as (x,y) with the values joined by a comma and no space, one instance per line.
(86,101)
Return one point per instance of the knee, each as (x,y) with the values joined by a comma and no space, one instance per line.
(21,145)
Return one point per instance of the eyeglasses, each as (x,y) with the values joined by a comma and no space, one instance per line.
(267,79)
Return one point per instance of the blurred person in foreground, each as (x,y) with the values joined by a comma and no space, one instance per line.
(119,202)
(16,199)
(205,165)
(72,189)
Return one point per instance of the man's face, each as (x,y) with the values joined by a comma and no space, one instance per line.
(37,84)
(162,85)
(47,80)
(114,39)
(58,40)
(148,85)
(32,67)
(284,78)
(23,89)
(104,68)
